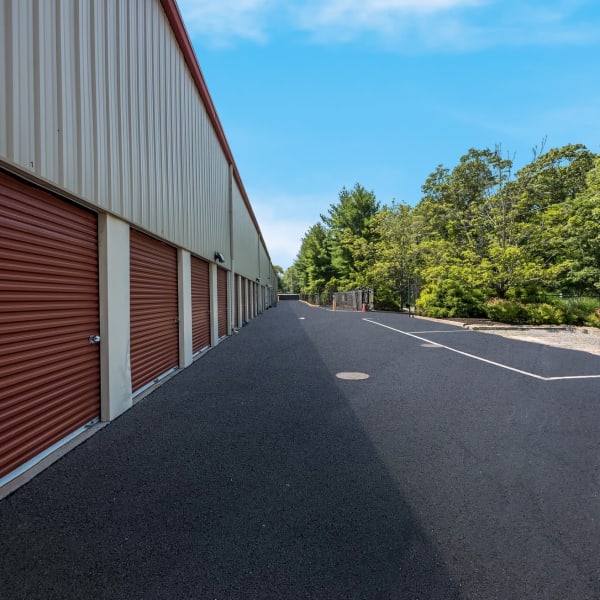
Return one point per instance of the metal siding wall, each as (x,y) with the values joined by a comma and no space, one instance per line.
(47,150)
(111,114)
(18,87)
(102,156)
(265,267)
(83,98)
(245,237)
(5,44)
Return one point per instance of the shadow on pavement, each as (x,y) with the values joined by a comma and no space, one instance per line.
(245,476)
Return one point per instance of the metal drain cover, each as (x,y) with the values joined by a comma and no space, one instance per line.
(351,375)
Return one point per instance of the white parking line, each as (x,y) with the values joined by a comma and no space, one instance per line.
(481,359)
(444,330)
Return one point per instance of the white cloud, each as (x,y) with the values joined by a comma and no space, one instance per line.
(410,25)
(283,221)
(283,238)
(220,22)
(373,13)
(454,25)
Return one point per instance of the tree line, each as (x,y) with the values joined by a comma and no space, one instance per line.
(483,241)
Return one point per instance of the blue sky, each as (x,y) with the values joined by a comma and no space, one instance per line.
(319,95)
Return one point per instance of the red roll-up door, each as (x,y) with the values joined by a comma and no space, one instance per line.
(154,309)
(236,301)
(49,371)
(200,304)
(244,299)
(222,300)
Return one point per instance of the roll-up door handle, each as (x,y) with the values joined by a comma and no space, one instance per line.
(94,339)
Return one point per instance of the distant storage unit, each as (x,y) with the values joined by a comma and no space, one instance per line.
(128,244)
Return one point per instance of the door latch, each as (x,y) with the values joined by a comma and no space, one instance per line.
(94,339)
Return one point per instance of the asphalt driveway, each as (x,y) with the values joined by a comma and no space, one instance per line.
(257,473)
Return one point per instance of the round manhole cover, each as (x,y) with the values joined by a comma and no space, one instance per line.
(351,375)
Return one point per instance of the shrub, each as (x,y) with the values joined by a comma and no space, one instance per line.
(544,314)
(505,311)
(593,319)
(579,311)
(385,299)
(448,298)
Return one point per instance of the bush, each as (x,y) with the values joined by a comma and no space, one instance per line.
(505,311)
(448,298)
(579,311)
(544,314)
(325,298)
(593,319)
(385,299)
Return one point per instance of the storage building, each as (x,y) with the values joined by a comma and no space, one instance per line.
(128,245)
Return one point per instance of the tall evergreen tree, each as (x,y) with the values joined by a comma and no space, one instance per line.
(349,222)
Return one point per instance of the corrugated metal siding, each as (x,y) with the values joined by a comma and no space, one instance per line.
(154,309)
(265,267)
(200,304)
(49,372)
(222,300)
(3,77)
(245,237)
(111,114)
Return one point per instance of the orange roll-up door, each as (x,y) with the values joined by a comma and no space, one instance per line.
(222,300)
(49,307)
(154,326)
(200,304)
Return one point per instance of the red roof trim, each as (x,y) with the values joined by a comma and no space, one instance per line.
(176,21)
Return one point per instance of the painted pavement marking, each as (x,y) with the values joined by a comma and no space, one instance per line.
(480,358)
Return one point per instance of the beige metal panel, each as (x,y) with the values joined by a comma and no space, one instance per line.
(102,154)
(18,48)
(68,151)
(125,72)
(116,120)
(4,45)
(46,99)
(245,238)
(265,267)
(136,81)
(211,188)
(86,142)
(111,114)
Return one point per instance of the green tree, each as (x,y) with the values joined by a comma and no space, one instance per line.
(279,274)
(582,239)
(313,266)
(464,213)
(454,203)
(547,189)
(290,281)
(505,232)
(349,223)
(392,256)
